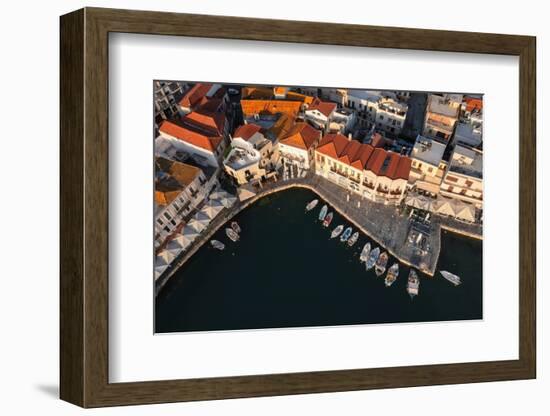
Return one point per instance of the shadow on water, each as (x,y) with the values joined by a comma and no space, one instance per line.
(286,272)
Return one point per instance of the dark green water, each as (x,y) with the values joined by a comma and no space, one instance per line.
(286,272)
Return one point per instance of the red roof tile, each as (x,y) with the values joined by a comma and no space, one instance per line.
(345,150)
(473,103)
(209,123)
(302,135)
(323,107)
(195,94)
(246,131)
(187,135)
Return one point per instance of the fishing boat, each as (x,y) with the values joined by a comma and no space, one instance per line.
(312,204)
(336,232)
(353,239)
(413,284)
(365,253)
(328,219)
(373,256)
(323,213)
(346,234)
(217,244)
(453,278)
(233,236)
(235,227)
(381,263)
(392,274)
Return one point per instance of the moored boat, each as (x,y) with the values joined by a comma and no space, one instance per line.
(373,256)
(323,213)
(392,274)
(328,219)
(413,284)
(235,227)
(312,204)
(233,236)
(346,234)
(381,263)
(353,239)
(365,253)
(336,232)
(217,244)
(453,278)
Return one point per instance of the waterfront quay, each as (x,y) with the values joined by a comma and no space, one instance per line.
(387,225)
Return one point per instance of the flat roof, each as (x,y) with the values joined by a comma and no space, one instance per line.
(428,150)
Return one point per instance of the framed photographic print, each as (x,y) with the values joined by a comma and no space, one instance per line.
(254,207)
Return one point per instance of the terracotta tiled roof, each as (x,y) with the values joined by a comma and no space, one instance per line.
(210,104)
(172,178)
(194,95)
(302,135)
(246,131)
(187,135)
(473,103)
(207,122)
(252,107)
(323,107)
(364,156)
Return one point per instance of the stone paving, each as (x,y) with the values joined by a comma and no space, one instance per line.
(387,225)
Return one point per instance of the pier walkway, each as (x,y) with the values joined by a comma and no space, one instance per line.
(387,225)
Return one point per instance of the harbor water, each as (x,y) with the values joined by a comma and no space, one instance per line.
(286,272)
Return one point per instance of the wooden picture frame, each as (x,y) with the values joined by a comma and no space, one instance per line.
(84,207)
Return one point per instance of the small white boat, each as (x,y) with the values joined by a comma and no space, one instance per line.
(346,235)
(392,274)
(373,256)
(323,213)
(353,239)
(235,227)
(328,219)
(381,263)
(217,244)
(337,231)
(312,204)
(365,253)
(453,278)
(233,236)
(413,284)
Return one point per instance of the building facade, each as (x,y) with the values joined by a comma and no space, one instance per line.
(464,177)
(179,189)
(442,113)
(428,166)
(373,173)
(297,147)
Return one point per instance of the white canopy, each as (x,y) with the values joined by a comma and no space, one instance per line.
(203,216)
(418,201)
(197,224)
(189,233)
(436,204)
(180,241)
(212,208)
(466,213)
(446,208)
(162,261)
(225,198)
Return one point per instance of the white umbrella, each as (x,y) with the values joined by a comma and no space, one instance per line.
(466,213)
(436,204)
(180,241)
(197,224)
(446,209)
(162,261)
(212,208)
(189,233)
(203,216)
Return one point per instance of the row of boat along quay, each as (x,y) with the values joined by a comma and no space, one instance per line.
(387,225)
(401,171)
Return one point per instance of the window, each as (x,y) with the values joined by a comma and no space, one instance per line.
(381,117)
(430,170)
(450,188)
(168,217)
(452,178)
(469,183)
(159,220)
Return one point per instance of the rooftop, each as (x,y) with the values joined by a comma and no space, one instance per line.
(443,105)
(261,107)
(195,94)
(171,178)
(428,150)
(324,107)
(467,161)
(185,134)
(242,156)
(302,136)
